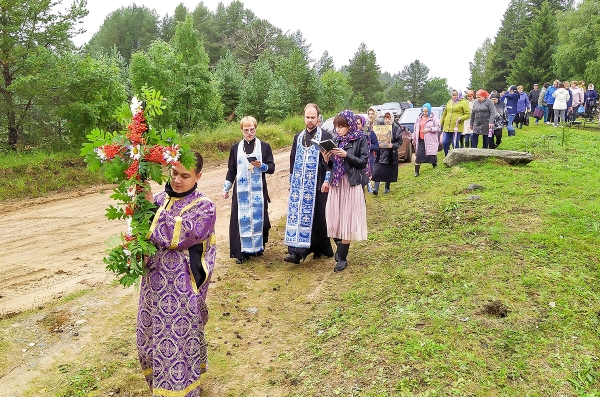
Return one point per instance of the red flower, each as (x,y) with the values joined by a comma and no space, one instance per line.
(129,210)
(137,128)
(156,155)
(133,170)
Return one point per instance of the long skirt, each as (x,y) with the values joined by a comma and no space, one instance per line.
(422,156)
(346,212)
(385,172)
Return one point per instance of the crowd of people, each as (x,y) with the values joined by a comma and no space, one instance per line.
(326,201)
(464,119)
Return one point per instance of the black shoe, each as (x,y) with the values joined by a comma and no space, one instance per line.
(293,258)
(375,192)
(342,255)
(317,256)
(239,261)
(341,265)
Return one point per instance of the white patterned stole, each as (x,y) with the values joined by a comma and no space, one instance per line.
(303,187)
(250,200)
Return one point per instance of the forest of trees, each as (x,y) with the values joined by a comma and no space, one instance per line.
(540,41)
(219,65)
(211,66)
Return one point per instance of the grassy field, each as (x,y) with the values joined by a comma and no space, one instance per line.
(490,292)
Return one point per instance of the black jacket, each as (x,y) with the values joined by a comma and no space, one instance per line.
(357,156)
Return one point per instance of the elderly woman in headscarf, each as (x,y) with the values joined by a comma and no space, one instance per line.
(482,119)
(426,138)
(373,146)
(455,113)
(346,212)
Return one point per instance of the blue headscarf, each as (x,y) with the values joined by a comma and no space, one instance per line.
(428,106)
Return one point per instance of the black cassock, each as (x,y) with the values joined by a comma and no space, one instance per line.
(235,244)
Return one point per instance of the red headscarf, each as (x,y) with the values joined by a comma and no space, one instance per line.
(483,93)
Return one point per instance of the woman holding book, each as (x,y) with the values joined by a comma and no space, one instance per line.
(346,212)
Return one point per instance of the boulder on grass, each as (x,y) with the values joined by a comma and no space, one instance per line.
(465,155)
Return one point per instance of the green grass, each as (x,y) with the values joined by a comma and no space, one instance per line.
(412,320)
(37,174)
(215,144)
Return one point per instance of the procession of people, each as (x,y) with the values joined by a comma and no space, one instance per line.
(330,175)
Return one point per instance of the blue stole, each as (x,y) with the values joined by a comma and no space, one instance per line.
(303,187)
(250,200)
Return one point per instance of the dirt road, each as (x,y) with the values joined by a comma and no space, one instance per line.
(54,246)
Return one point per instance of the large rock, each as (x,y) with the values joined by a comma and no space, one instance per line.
(457,156)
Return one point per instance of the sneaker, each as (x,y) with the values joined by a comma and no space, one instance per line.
(536,122)
(386,191)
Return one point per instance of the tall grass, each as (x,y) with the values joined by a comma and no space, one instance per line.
(215,144)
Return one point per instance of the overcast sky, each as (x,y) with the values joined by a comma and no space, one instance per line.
(442,34)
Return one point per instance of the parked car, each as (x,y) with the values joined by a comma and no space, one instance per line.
(409,116)
(407,124)
(328,125)
(405,150)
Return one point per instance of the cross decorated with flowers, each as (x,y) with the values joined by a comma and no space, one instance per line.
(131,158)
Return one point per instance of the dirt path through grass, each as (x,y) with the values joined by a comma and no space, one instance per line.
(53,246)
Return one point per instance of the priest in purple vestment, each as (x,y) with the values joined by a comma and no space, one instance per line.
(172,308)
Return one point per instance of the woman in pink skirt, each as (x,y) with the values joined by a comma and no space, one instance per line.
(345,211)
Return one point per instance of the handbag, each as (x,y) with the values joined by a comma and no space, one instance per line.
(538,113)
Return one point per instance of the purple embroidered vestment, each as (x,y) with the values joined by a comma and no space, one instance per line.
(172,308)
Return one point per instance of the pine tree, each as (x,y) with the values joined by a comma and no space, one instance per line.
(324,64)
(413,78)
(130,29)
(477,66)
(253,99)
(363,74)
(534,63)
(509,40)
(230,80)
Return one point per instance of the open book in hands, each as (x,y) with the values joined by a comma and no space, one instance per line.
(325,145)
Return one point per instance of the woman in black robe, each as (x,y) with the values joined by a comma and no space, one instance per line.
(386,163)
